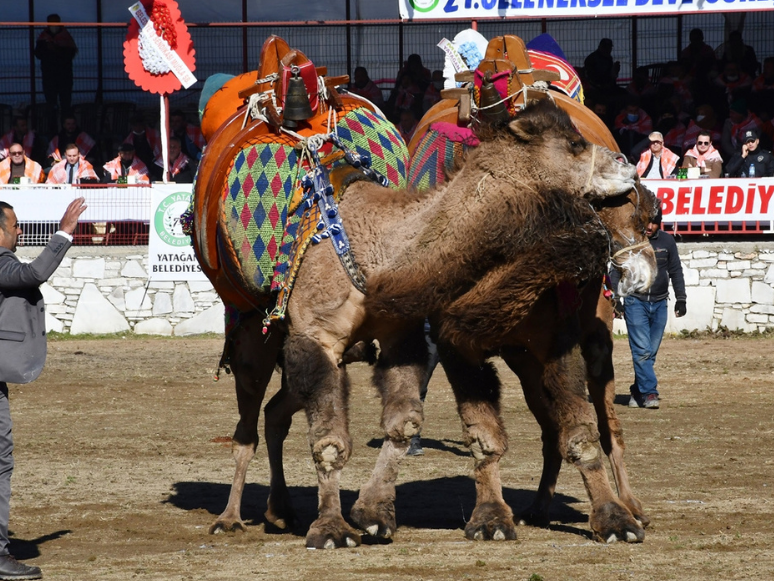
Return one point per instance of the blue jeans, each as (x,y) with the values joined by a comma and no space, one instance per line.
(645,323)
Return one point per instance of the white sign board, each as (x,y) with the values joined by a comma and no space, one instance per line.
(170,254)
(479,9)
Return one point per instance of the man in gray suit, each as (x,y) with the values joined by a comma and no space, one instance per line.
(22,344)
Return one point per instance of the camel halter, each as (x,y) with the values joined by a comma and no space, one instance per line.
(632,248)
(591,168)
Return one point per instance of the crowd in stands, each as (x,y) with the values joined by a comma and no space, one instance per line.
(711,108)
(74,156)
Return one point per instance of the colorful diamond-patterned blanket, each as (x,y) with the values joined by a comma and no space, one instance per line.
(265,226)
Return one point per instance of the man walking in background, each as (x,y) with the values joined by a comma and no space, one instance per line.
(646,315)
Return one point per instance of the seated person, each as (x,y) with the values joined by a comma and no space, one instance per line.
(126,165)
(365,87)
(190,136)
(632,126)
(740,121)
(704,120)
(704,156)
(734,83)
(73,169)
(146,142)
(751,156)
(657,162)
(407,125)
(433,91)
(34,147)
(181,168)
(18,165)
(69,134)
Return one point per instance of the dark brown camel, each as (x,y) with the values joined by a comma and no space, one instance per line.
(557,240)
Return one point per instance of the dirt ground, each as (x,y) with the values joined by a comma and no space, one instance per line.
(123,462)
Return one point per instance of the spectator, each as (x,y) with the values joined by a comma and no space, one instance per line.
(674,86)
(601,110)
(365,87)
(600,70)
(765,82)
(146,142)
(632,126)
(740,120)
(181,168)
(34,147)
(646,315)
(413,78)
(698,58)
(56,50)
(22,311)
(736,51)
(705,120)
(704,156)
(69,134)
(190,136)
(671,127)
(641,88)
(657,162)
(734,83)
(126,165)
(752,160)
(18,165)
(407,125)
(433,91)
(73,169)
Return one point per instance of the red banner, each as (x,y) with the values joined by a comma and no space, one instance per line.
(720,200)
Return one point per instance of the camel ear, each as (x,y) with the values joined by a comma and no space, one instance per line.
(523,129)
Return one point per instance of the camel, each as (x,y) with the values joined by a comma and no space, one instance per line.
(556,238)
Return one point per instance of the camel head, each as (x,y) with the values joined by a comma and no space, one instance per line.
(626,217)
(567,159)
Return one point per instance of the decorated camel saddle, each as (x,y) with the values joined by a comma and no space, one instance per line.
(500,83)
(283,144)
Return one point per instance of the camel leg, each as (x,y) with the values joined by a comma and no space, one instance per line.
(530,373)
(278,416)
(398,375)
(323,389)
(477,391)
(578,438)
(598,354)
(253,358)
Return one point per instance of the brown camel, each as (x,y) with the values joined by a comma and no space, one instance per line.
(510,220)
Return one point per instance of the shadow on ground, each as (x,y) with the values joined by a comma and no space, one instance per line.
(24,549)
(441,503)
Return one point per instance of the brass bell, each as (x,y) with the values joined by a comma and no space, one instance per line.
(297,105)
(491,104)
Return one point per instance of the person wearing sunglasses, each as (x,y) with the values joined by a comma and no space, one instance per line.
(657,162)
(752,161)
(17,166)
(704,156)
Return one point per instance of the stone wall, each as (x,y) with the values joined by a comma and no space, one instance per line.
(728,284)
(106,290)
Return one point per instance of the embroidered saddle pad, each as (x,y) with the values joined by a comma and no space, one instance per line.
(437,153)
(260,216)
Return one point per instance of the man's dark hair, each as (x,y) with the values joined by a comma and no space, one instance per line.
(175,139)
(3,207)
(71,146)
(705,133)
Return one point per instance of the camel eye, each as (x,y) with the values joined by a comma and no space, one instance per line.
(576,145)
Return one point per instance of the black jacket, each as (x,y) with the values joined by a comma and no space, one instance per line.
(669,268)
(762,160)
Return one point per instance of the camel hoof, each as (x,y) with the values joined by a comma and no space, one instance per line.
(534,518)
(378,520)
(613,522)
(491,522)
(227,526)
(331,533)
